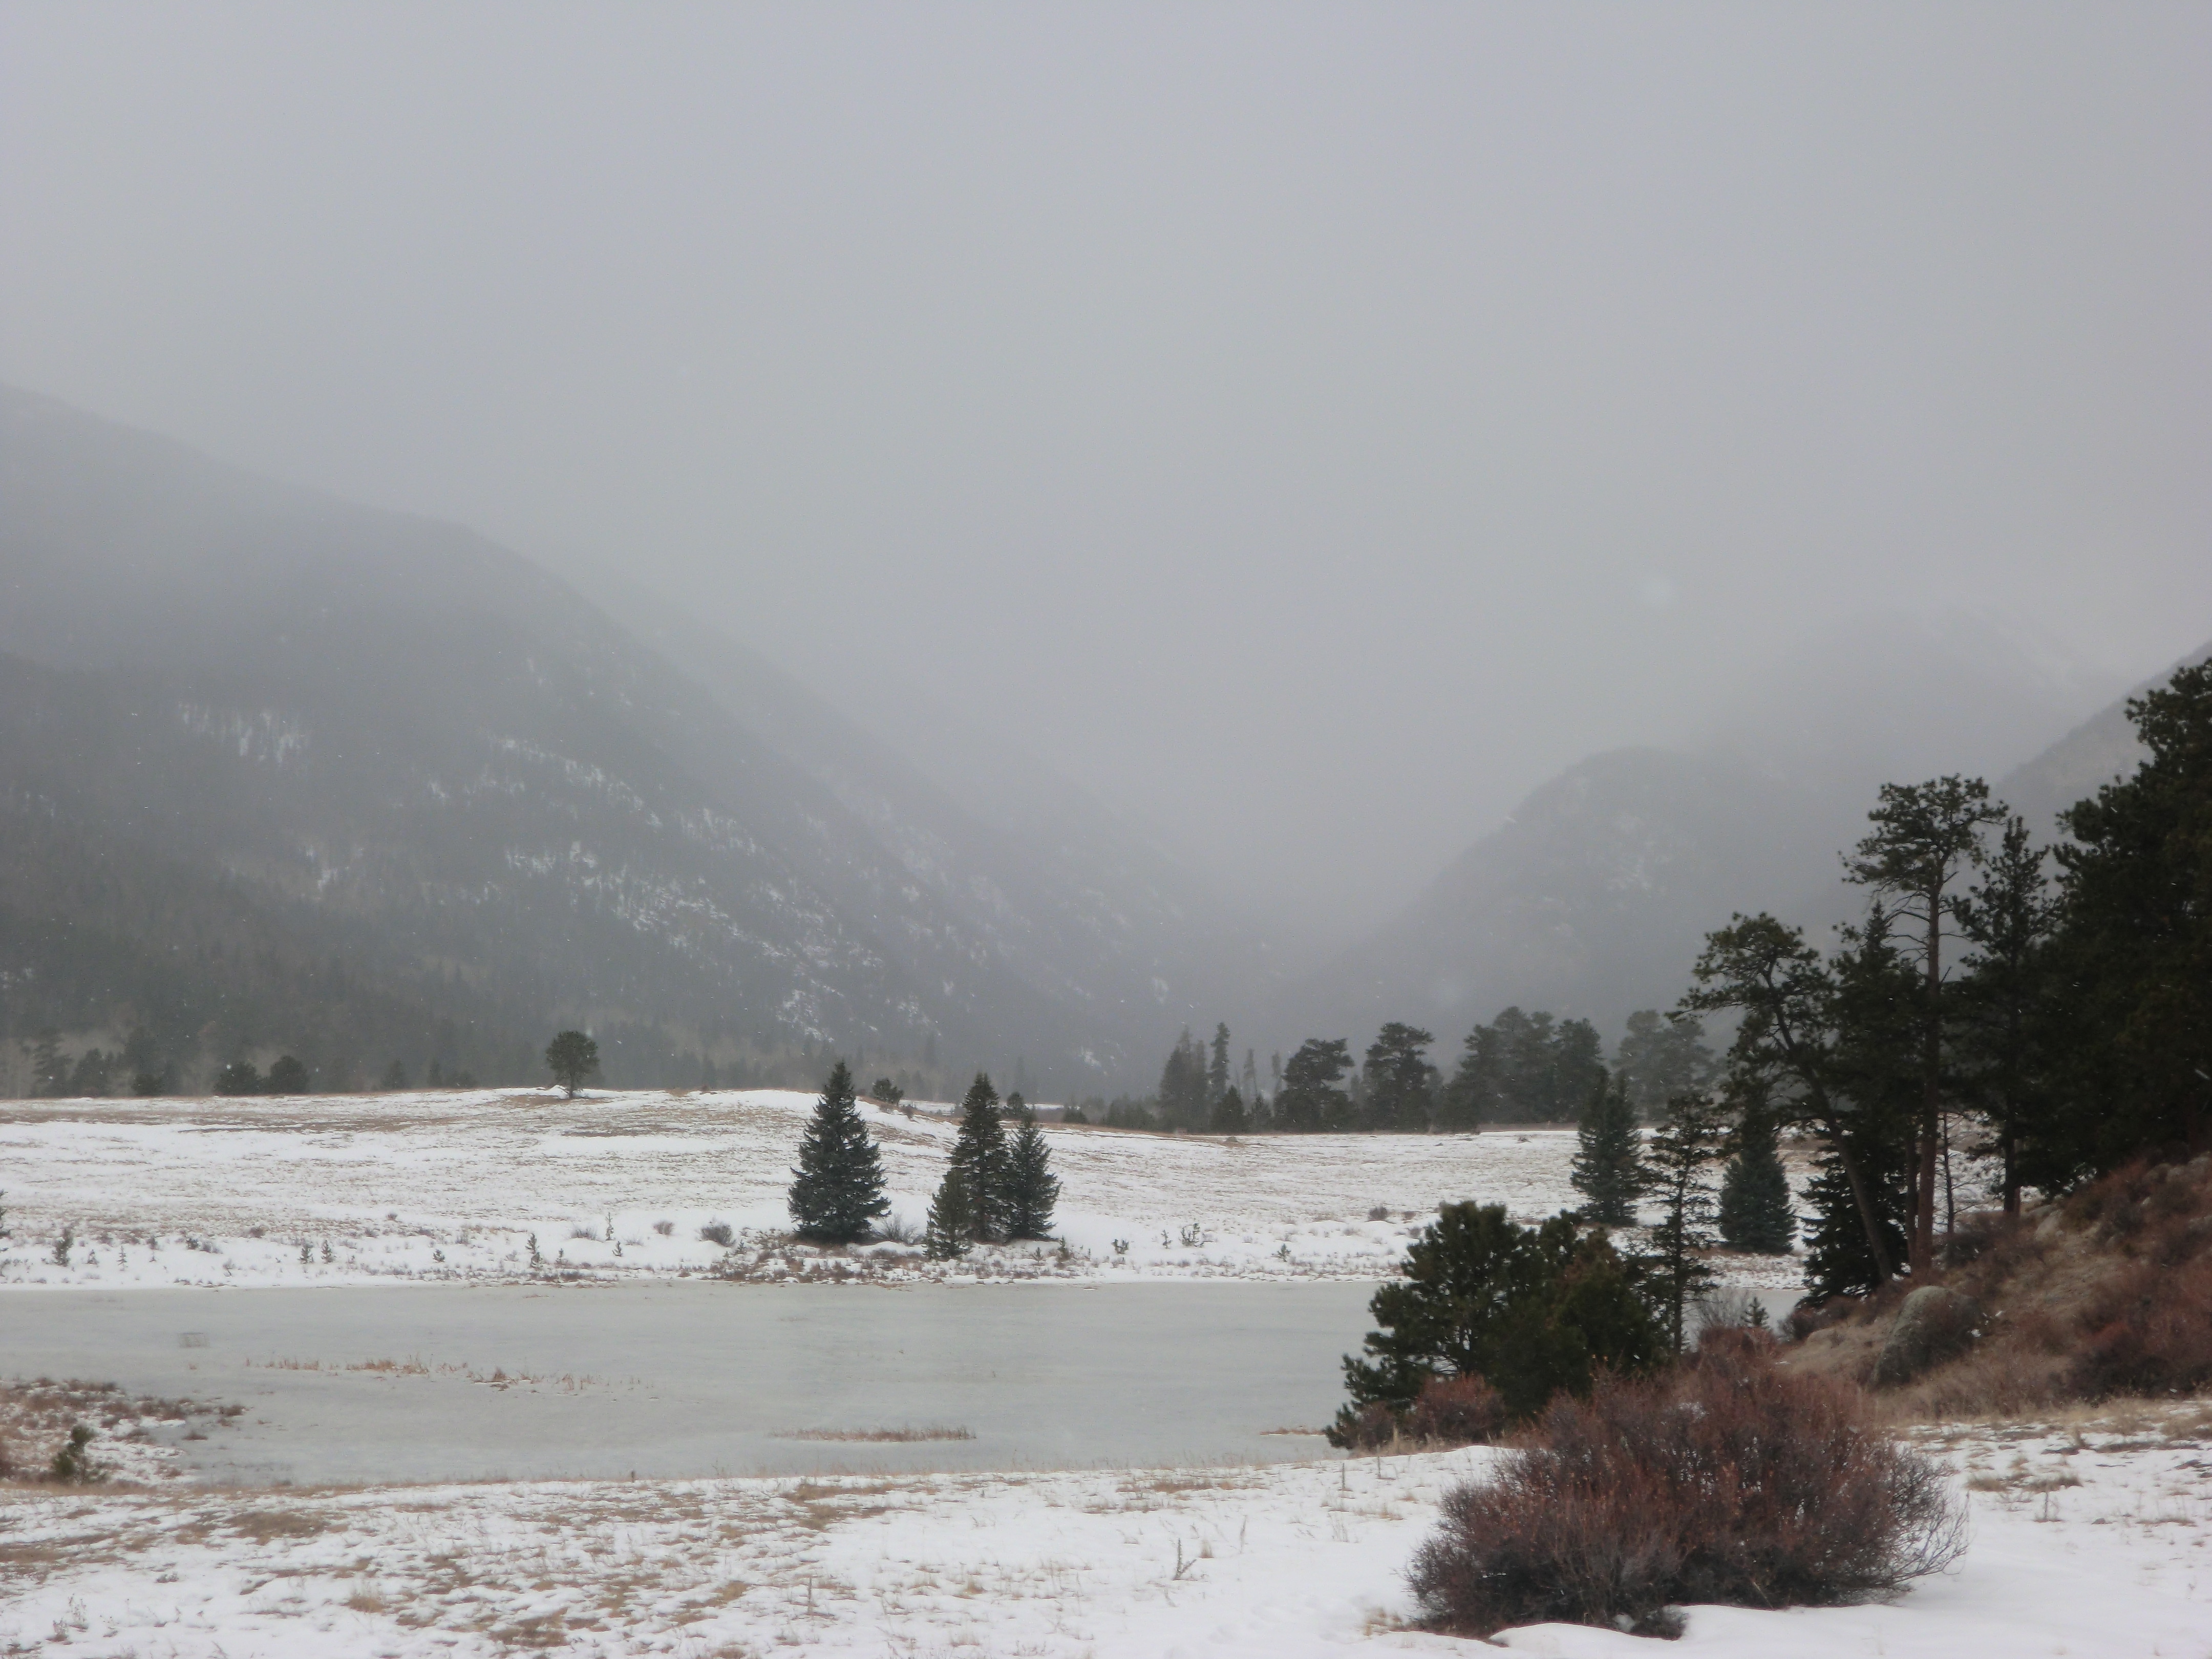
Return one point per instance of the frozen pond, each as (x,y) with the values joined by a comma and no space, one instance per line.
(697,1378)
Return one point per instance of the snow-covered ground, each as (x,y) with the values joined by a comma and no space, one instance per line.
(2087,1543)
(353,1189)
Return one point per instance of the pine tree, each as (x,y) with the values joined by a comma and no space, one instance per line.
(1217,1065)
(1229,1117)
(1925,836)
(1607,1168)
(1032,1189)
(572,1057)
(2134,949)
(837,1191)
(1756,1212)
(1398,1093)
(1838,1259)
(49,1071)
(2006,1000)
(951,1232)
(979,1153)
(1687,1142)
(1183,1099)
(1309,1095)
(1663,1055)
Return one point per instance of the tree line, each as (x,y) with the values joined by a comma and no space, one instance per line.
(1521,1067)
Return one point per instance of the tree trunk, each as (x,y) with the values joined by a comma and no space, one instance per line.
(1883,1273)
(1932,1089)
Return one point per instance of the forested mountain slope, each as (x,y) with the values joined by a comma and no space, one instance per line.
(283,772)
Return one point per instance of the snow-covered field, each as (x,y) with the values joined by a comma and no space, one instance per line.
(353,1189)
(2087,1542)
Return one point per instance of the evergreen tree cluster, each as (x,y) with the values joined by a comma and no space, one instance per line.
(2049,1008)
(994,1190)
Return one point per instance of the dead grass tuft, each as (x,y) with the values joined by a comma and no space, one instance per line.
(264,1525)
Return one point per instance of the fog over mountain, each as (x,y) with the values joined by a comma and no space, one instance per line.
(1123,516)
(1594,895)
(280,771)
(1307,428)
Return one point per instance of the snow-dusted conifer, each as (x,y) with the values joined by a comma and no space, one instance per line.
(979,1153)
(1032,1189)
(838,1189)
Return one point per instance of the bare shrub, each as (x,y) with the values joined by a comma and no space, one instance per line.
(2149,1331)
(719,1232)
(1727,1480)
(1456,1411)
(893,1230)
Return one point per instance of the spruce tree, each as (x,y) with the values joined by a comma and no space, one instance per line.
(1229,1116)
(1756,1212)
(1838,1259)
(1032,1189)
(1674,1270)
(837,1191)
(951,1231)
(979,1153)
(1609,1166)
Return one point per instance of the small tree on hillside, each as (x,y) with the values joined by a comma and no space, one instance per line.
(572,1057)
(1756,1211)
(1609,1166)
(1032,1189)
(979,1153)
(837,1191)
(951,1232)
(1675,1273)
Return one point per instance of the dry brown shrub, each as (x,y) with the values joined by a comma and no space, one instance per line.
(1728,1479)
(2148,1331)
(1995,1380)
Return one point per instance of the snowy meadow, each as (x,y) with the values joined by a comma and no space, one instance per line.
(441,1188)
(950,1534)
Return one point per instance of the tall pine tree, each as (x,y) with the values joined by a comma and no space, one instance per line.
(1609,1166)
(979,1153)
(1398,1093)
(1675,1271)
(1032,1189)
(837,1191)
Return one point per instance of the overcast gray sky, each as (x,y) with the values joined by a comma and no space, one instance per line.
(1309,426)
